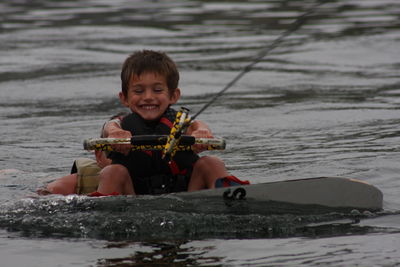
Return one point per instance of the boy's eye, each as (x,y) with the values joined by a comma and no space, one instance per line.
(158,89)
(137,90)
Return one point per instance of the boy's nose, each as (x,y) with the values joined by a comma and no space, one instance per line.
(148,93)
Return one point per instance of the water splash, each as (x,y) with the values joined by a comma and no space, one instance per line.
(166,218)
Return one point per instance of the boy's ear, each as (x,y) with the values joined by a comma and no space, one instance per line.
(123,99)
(175,96)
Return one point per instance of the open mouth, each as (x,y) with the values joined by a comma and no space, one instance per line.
(148,107)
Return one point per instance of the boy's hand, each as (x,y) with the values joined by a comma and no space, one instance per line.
(119,133)
(199,129)
(113,130)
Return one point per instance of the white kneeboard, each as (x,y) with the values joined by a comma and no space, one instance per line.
(330,192)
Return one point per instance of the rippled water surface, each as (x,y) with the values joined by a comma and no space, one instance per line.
(323,102)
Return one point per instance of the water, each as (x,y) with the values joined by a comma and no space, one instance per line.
(324,102)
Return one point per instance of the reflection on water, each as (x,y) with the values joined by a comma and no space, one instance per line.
(162,254)
(324,102)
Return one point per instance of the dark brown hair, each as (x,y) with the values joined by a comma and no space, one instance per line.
(149,61)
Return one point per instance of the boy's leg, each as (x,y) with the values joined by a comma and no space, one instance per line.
(115,179)
(65,185)
(206,171)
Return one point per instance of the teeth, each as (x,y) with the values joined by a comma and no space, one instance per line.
(149,107)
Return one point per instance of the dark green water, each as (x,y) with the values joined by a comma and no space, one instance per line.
(324,102)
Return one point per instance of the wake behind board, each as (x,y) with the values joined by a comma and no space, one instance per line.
(326,192)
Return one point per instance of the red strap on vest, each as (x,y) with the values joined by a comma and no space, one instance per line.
(175,169)
(148,152)
(167,122)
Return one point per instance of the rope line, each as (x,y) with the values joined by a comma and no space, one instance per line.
(263,53)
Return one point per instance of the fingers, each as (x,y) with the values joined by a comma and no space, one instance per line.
(123,149)
(199,148)
(201,133)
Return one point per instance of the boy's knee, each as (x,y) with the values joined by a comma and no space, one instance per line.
(207,161)
(116,172)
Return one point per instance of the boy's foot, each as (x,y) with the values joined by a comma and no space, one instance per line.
(229,181)
(98,194)
(43,191)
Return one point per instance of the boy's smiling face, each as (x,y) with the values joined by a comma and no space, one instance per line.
(148,95)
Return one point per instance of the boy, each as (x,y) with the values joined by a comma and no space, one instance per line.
(149,82)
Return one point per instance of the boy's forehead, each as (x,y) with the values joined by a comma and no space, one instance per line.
(148,77)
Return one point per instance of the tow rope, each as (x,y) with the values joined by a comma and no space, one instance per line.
(182,122)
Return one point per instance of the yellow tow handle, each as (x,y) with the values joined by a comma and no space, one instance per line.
(182,121)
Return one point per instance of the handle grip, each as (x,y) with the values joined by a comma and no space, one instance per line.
(152,142)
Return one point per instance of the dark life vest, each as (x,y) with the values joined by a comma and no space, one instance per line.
(151,174)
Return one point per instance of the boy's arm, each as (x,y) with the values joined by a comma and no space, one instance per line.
(199,129)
